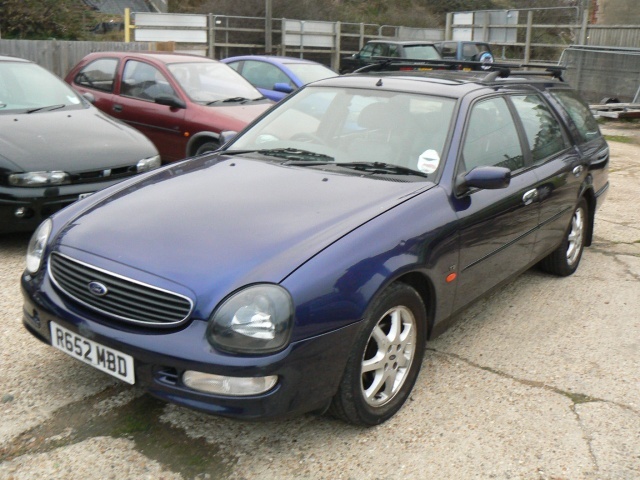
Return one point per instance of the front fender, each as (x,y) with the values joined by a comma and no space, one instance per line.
(335,287)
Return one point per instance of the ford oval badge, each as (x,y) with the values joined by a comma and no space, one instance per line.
(98,289)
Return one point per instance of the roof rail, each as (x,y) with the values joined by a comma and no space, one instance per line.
(493,70)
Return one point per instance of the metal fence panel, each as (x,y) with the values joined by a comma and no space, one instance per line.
(170,20)
(601,72)
(178,36)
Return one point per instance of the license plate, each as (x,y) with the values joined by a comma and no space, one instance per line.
(110,361)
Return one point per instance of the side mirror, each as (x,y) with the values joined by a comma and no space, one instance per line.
(283,87)
(170,101)
(89,97)
(485,178)
(226,136)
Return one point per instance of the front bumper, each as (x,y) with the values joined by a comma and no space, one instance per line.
(309,371)
(39,203)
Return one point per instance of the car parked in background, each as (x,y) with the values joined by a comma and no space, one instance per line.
(303,266)
(181,102)
(276,77)
(56,147)
(467,51)
(416,50)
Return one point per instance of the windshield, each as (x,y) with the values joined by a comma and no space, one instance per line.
(421,52)
(308,72)
(29,88)
(207,82)
(344,126)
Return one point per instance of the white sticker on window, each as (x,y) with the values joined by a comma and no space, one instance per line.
(428,161)
(73,100)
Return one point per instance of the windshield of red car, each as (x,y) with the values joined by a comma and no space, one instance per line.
(206,82)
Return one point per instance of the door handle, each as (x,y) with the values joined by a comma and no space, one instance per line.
(577,171)
(529,197)
(117,108)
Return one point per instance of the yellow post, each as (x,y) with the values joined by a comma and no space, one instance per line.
(127,25)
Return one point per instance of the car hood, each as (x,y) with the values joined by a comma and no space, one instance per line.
(70,140)
(213,225)
(235,116)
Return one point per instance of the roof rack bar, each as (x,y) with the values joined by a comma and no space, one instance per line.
(494,70)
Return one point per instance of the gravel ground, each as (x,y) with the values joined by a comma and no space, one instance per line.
(541,380)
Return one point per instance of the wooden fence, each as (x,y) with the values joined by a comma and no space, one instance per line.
(60,56)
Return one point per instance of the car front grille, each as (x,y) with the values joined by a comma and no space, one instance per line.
(103,175)
(117,296)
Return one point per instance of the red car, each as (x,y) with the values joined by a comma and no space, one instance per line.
(181,102)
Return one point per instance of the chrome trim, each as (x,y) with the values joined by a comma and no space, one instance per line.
(121,277)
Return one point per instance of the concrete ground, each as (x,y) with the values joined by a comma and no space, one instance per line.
(539,381)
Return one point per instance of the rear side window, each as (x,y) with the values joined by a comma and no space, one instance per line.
(99,74)
(578,110)
(449,50)
(544,133)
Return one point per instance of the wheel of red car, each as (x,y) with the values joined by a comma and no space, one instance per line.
(207,147)
(384,363)
(565,259)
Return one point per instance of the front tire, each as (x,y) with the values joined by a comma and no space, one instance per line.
(384,363)
(565,259)
(207,147)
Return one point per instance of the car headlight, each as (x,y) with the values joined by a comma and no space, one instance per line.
(257,319)
(38,179)
(37,244)
(147,164)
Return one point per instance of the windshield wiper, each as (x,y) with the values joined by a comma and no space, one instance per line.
(381,167)
(230,100)
(48,108)
(290,154)
(295,154)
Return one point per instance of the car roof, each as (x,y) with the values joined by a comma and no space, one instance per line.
(271,59)
(159,57)
(9,58)
(455,84)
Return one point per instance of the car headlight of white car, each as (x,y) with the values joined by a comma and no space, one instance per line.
(257,319)
(38,179)
(147,164)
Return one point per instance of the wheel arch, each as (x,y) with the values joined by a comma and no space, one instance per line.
(422,284)
(199,139)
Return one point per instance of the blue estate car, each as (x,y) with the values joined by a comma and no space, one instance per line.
(304,265)
(276,77)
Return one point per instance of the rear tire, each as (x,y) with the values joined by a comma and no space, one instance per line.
(386,358)
(566,258)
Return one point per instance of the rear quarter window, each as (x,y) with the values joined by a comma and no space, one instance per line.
(586,126)
(543,132)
